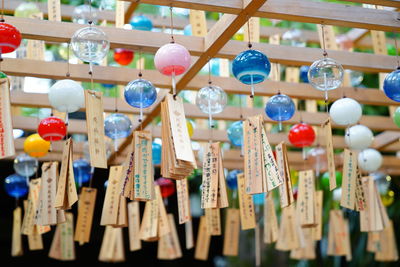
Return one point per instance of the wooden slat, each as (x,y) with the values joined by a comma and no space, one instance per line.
(391,3)
(114,75)
(300,10)
(151,41)
(129,11)
(385,139)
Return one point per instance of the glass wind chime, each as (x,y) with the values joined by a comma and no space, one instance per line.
(251,66)
(325,74)
(172,59)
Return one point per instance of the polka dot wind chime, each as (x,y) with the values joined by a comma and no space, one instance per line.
(172,59)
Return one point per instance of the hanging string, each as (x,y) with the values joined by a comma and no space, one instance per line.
(211,125)
(141,90)
(325,54)
(397,51)
(172,25)
(68,74)
(2,11)
(249,45)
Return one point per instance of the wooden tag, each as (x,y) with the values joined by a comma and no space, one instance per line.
(387,247)
(54,10)
(232,232)
(114,207)
(7,148)
(285,189)
(349,180)
(253,157)
(213,221)
(134,226)
(198,22)
(338,238)
(62,247)
(290,234)
(35,241)
(360,198)
(317,230)
(168,245)
(326,126)
(180,134)
(270,220)
(330,39)
(271,170)
(203,241)
(28,223)
(95,126)
(307,252)
(189,234)
(305,199)
(16,245)
(46,213)
(163,225)
(182,192)
(119,14)
(112,247)
(246,205)
(66,194)
(143,169)
(87,201)
(149,226)
(127,175)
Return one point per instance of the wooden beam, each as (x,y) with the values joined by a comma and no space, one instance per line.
(129,11)
(151,41)
(385,139)
(300,10)
(115,75)
(391,3)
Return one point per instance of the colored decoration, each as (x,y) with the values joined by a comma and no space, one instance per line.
(258,199)
(325,74)
(251,67)
(231,179)
(345,111)
(10,38)
(318,159)
(215,67)
(370,160)
(16,186)
(304,73)
(167,186)
(52,129)
(280,108)
(391,85)
(117,126)
(356,77)
(187,30)
(35,146)
(67,96)
(156,153)
(294,37)
(123,56)
(25,165)
(82,171)
(301,135)
(90,44)
(325,180)
(140,93)
(189,125)
(396,117)
(141,23)
(26,10)
(388,198)
(358,137)
(172,59)
(211,99)
(235,133)
(83,14)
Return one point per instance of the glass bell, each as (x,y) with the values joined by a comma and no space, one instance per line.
(325,74)
(140,93)
(280,108)
(90,44)
(211,99)
(25,165)
(117,126)
(235,133)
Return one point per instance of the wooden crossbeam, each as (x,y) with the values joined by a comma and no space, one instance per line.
(114,75)
(129,11)
(301,11)
(390,3)
(385,139)
(151,41)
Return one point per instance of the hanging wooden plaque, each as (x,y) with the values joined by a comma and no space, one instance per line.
(247,214)
(168,245)
(189,234)
(182,192)
(270,220)
(54,10)
(326,126)
(232,232)
(143,169)
(163,225)
(7,148)
(134,226)
(305,199)
(16,245)
(387,247)
(87,201)
(290,235)
(285,189)
(203,241)
(317,230)
(119,14)
(271,170)
(95,126)
(66,194)
(149,227)
(62,247)
(349,180)
(213,221)
(127,175)
(198,22)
